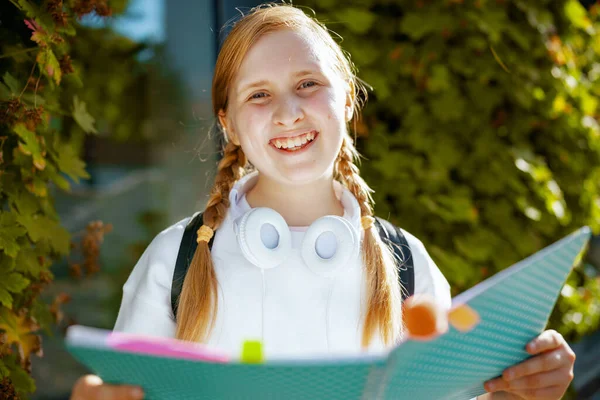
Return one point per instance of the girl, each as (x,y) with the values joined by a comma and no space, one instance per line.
(284,94)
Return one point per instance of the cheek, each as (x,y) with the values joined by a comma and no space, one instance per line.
(326,103)
(253,113)
(251,120)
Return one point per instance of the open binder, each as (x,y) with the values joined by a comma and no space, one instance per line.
(513,305)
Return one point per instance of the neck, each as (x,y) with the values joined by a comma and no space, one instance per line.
(299,205)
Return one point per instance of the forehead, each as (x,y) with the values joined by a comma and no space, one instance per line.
(280,54)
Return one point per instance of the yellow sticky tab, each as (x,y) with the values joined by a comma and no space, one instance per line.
(252,352)
(463,318)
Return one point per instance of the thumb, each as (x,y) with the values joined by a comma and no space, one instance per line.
(502,395)
(119,392)
(91,387)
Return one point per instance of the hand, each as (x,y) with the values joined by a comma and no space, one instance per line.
(91,387)
(545,376)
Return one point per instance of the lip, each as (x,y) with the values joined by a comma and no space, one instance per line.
(305,148)
(293,134)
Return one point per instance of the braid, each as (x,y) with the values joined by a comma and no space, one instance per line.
(231,168)
(384,313)
(349,174)
(197,307)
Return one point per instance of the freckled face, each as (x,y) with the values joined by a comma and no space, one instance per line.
(287,95)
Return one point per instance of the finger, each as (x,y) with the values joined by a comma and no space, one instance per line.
(120,392)
(500,396)
(85,387)
(541,363)
(547,340)
(550,393)
(495,385)
(561,376)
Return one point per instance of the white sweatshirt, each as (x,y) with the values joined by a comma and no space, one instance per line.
(295,312)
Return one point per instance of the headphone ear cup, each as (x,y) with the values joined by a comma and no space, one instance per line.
(347,244)
(250,229)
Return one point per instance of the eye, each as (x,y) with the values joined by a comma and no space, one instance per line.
(258,95)
(308,84)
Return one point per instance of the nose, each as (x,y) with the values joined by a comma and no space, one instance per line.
(288,112)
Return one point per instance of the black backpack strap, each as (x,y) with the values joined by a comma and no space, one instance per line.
(393,236)
(184,259)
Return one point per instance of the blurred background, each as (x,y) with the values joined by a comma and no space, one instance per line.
(481,136)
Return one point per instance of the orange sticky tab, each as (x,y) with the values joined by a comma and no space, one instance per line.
(463,318)
(423,318)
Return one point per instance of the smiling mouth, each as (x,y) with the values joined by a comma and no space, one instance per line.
(295,143)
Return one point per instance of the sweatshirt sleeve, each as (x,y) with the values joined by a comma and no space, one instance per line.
(428,277)
(146,302)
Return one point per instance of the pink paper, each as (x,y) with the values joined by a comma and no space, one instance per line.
(164,347)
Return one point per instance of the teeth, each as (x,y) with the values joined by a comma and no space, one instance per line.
(294,142)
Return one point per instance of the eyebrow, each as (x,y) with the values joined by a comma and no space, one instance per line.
(263,82)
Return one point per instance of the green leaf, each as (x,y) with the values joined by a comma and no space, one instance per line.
(439,80)
(34,225)
(31,146)
(41,227)
(21,380)
(478,244)
(577,14)
(32,99)
(40,311)
(5,298)
(10,231)
(28,264)
(379,83)
(7,263)
(57,178)
(4,372)
(453,264)
(417,25)
(24,202)
(68,161)
(30,9)
(451,208)
(68,30)
(82,117)
(14,85)
(448,106)
(49,64)
(357,20)
(11,282)
(5,93)
(59,238)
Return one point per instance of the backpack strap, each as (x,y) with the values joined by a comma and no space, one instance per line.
(184,258)
(393,236)
(390,234)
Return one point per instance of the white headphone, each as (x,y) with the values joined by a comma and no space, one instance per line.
(323,235)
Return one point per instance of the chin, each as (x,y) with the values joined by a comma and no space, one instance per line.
(302,176)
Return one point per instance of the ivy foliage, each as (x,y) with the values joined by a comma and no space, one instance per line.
(44,119)
(481,133)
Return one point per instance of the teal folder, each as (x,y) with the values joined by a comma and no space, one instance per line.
(514,306)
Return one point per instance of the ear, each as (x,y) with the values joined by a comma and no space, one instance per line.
(229,133)
(349,107)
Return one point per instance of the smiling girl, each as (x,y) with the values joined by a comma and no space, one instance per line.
(287,250)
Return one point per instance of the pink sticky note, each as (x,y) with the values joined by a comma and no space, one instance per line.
(164,347)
